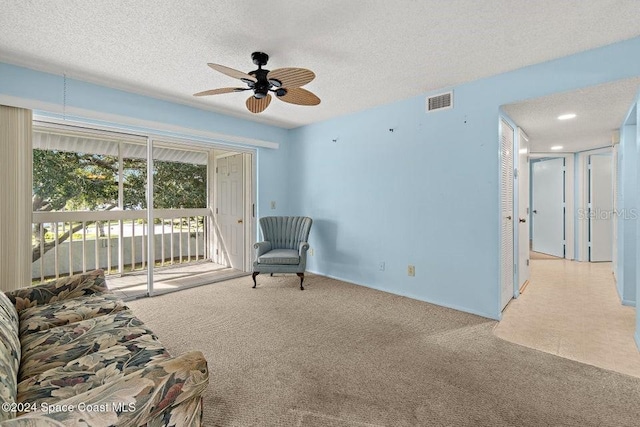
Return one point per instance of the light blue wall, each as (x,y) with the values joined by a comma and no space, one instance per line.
(620,225)
(427,193)
(630,133)
(637,120)
(44,87)
(627,221)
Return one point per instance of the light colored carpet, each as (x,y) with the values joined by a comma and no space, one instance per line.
(342,355)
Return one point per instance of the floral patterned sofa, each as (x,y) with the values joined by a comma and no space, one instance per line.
(72,354)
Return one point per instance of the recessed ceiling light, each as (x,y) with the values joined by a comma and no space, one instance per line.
(557,147)
(567,116)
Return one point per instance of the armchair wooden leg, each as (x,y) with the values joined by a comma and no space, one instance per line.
(253,276)
(301,276)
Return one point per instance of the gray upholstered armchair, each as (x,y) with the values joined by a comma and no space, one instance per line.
(284,249)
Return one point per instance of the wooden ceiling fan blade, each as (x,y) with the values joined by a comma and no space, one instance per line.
(232,73)
(291,77)
(256,105)
(220,91)
(299,96)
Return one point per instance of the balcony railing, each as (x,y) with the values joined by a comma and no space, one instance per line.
(72,242)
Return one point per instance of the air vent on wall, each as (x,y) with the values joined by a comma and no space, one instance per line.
(440,102)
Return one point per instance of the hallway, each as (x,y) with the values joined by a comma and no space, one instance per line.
(571,309)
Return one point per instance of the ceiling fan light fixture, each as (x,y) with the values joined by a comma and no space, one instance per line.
(281,91)
(275,82)
(259,95)
(567,116)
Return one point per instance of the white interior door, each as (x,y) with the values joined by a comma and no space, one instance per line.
(600,208)
(506,211)
(230,210)
(523,208)
(548,207)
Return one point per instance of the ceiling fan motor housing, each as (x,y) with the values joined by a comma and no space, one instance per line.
(262,85)
(260,58)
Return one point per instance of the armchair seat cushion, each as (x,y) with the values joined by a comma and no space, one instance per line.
(280,256)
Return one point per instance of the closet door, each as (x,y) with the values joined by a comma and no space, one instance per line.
(601,208)
(506,213)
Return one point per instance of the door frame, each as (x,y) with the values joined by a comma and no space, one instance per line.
(582,202)
(521,134)
(569,199)
(543,169)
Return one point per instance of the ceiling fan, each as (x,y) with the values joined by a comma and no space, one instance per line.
(283,82)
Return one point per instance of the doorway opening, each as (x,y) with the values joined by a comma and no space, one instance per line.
(548,215)
(147,209)
(570,304)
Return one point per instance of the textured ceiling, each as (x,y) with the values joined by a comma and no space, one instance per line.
(599,111)
(364,53)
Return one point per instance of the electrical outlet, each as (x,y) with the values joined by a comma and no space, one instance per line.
(411,270)
(381,266)
(273,204)
(311,251)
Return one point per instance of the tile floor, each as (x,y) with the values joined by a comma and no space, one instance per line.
(168,279)
(572,309)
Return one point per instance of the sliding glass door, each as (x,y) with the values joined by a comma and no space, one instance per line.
(181,217)
(88,195)
(155,214)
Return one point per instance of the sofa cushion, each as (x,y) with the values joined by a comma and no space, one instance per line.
(9,354)
(91,370)
(280,256)
(68,287)
(43,317)
(60,345)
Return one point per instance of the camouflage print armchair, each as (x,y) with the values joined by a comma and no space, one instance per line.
(72,354)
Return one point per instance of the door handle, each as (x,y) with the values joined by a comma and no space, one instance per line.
(535,211)
(239,221)
(523,219)
(509,217)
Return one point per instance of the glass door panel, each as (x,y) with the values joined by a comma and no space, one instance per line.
(181,217)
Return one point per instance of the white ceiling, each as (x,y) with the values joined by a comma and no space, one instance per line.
(599,111)
(364,53)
